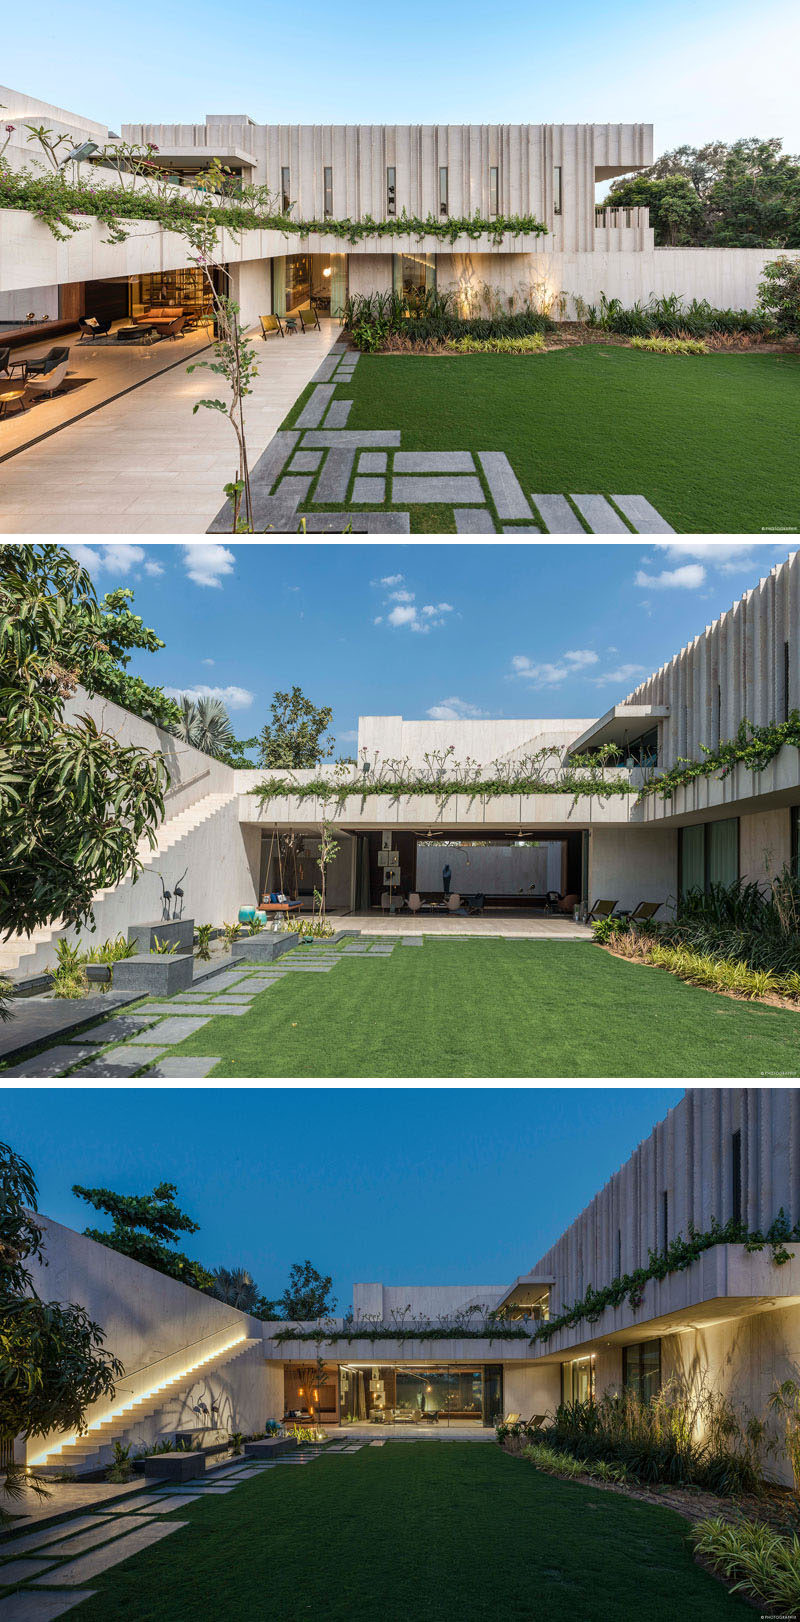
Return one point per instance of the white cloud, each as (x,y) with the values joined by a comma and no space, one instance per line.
(234,698)
(115,559)
(581,656)
(152,568)
(575,662)
(207,661)
(378,620)
(388,580)
(402,596)
(206,563)
(455,709)
(403,614)
(430,609)
(689,576)
(729,556)
(623,674)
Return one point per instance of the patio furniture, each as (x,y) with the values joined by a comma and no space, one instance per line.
(290,322)
(46,363)
(567,903)
(601,909)
(642,913)
(48,382)
(136,335)
(414,903)
(93,328)
(271,327)
(12,394)
(310,319)
(454,903)
(511,1419)
(171,329)
(277,902)
(474,904)
(8,366)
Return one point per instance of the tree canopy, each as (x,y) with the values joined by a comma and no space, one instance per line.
(742,195)
(296,734)
(307,1295)
(121,630)
(144,1227)
(53,1361)
(205,723)
(74,802)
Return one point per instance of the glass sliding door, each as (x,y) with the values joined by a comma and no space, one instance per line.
(723,851)
(414,273)
(577,1380)
(420,1394)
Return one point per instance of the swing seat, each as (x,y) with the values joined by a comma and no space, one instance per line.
(276,902)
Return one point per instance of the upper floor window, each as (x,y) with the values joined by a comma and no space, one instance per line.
(557,199)
(494,191)
(444,206)
(391,191)
(736,1176)
(641,1369)
(327,203)
(286,201)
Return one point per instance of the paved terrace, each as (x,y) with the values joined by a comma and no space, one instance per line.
(143,464)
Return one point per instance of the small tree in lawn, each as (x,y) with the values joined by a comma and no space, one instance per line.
(53,1360)
(328,851)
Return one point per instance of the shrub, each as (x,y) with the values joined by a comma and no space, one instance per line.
(429,317)
(307,928)
(554,1463)
(203,934)
(670,317)
(741,922)
(530,344)
(764,1563)
(671,346)
(779,293)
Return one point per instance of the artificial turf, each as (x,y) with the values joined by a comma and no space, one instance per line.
(496,1007)
(710,440)
(436,1531)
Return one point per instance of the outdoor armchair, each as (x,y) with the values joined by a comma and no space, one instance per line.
(45,363)
(8,366)
(414,902)
(271,326)
(601,909)
(309,318)
(453,903)
(642,913)
(48,382)
(94,327)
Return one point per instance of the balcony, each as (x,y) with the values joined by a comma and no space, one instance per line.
(623,230)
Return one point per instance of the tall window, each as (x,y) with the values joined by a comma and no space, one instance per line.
(736,1176)
(557,199)
(494,191)
(577,1380)
(708,853)
(285,198)
(641,1369)
(619,1253)
(786,669)
(327,202)
(795,839)
(664,1218)
(391,191)
(444,207)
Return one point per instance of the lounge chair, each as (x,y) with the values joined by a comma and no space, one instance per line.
(8,366)
(566,903)
(511,1419)
(601,909)
(309,319)
(46,363)
(642,913)
(271,326)
(174,328)
(454,903)
(414,902)
(48,382)
(93,328)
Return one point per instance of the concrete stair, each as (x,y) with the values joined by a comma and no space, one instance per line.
(85,1452)
(26,953)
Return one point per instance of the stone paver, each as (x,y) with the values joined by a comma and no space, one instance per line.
(28,1606)
(324,373)
(115,1030)
(41,1019)
(373,462)
(354,439)
(599,515)
(316,405)
(521,529)
(90,1565)
(434,462)
(358,523)
(644,517)
(178,1065)
(99,1533)
(558,516)
(128,1505)
(274,513)
(452,489)
(373,490)
(262,476)
(163,1504)
(335,476)
(55,1062)
(473,520)
(51,1534)
(18,1571)
(506,490)
(338,413)
(305,461)
(175,1030)
(215,1009)
(129,1056)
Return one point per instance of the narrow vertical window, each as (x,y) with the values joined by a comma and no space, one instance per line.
(494,191)
(664,1219)
(443,203)
(327,203)
(786,668)
(391,191)
(557,189)
(285,198)
(736,1176)
(619,1253)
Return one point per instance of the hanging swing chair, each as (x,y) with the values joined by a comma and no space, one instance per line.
(277,902)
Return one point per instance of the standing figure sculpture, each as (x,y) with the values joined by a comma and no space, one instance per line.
(446,877)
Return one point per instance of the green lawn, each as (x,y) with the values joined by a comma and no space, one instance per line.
(710,440)
(496,1008)
(432,1531)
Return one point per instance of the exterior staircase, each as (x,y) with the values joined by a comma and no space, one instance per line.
(29,953)
(84,1452)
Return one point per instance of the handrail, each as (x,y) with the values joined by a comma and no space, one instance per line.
(133,1374)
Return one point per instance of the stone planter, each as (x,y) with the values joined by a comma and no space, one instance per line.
(174,1466)
(153,975)
(99,973)
(270,1447)
(179,932)
(265,948)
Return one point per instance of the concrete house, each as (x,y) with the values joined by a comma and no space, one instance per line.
(435,1360)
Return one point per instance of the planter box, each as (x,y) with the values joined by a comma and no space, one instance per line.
(98,973)
(181,932)
(270,1448)
(154,975)
(175,1466)
(265,948)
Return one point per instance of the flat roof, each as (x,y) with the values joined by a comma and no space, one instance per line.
(616,723)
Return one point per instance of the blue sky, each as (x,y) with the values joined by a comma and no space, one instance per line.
(697,69)
(422,631)
(409,1186)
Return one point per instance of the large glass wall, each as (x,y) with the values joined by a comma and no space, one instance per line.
(708,853)
(414,273)
(183,289)
(298,279)
(420,1394)
(577,1380)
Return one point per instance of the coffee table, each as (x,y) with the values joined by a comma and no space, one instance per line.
(12,396)
(136,335)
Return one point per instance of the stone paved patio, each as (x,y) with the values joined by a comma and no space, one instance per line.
(320,463)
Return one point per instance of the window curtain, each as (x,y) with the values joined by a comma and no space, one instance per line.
(723,851)
(279,286)
(693,876)
(338,283)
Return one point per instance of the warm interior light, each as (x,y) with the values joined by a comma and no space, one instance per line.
(327,271)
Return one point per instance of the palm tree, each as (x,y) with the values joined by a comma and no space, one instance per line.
(206,724)
(184,727)
(235,1286)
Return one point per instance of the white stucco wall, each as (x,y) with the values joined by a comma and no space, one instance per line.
(529,1389)
(425,1300)
(764,844)
(493,869)
(631,864)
